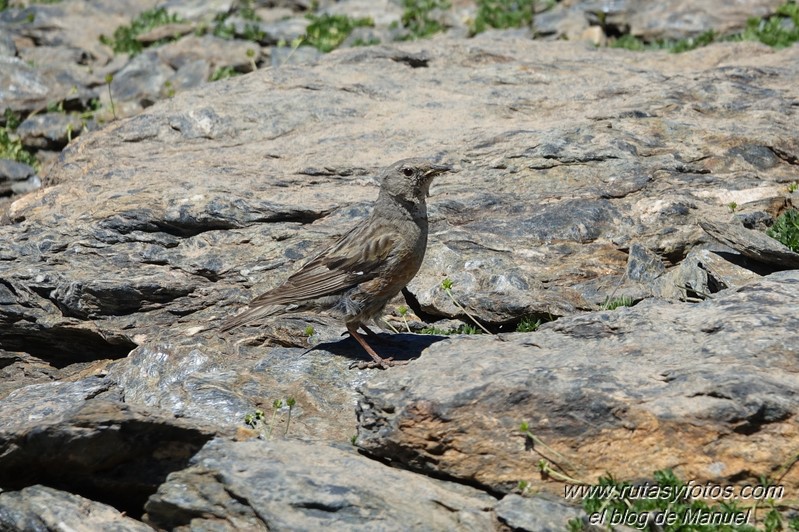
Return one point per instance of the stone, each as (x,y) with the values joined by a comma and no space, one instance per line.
(706,389)
(753,244)
(51,131)
(75,435)
(267,485)
(43,508)
(538,513)
(152,229)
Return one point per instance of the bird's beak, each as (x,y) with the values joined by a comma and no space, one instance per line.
(436,169)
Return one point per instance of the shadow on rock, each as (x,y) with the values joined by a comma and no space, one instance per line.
(396,346)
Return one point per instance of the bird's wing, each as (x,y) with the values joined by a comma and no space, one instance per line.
(354,259)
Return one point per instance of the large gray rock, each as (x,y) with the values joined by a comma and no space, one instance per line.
(214,196)
(80,436)
(709,390)
(570,193)
(43,508)
(273,485)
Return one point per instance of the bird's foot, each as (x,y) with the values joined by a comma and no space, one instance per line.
(383,363)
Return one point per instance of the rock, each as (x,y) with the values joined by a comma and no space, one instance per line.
(705,272)
(643,265)
(213,389)
(22,87)
(753,244)
(151,231)
(543,229)
(76,436)
(214,51)
(708,390)
(51,130)
(535,514)
(43,508)
(650,21)
(259,485)
(17,178)
(141,81)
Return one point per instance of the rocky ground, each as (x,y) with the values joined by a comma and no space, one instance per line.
(606,225)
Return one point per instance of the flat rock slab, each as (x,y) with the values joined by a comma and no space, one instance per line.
(178,216)
(79,436)
(710,390)
(42,508)
(753,244)
(273,485)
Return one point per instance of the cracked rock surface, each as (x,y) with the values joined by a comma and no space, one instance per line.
(584,176)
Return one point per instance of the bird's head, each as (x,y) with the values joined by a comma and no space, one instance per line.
(409,180)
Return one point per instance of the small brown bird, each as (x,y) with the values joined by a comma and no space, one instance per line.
(355,277)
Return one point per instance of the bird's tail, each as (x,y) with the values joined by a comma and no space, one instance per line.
(250,314)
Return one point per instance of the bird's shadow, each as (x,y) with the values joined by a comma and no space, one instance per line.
(399,346)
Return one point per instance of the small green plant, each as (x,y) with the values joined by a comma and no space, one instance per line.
(403,312)
(55,107)
(446,285)
(108,79)
(792,187)
(417,17)
(247,12)
(616,302)
(251,57)
(528,325)
(463,329)
(251,32)
(503,14)
(277,404)
(257,418)
(125,38)
(786,229)
(630,42)
(309,331)
(223,73)
(779,30)
(732,206)
(290,402)
(10,145)
(667,510)
(366,42)
(252,419)
(169,89)
(326,32)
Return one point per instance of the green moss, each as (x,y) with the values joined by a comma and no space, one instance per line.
(630,42)
(327,32)
(503,14)
(786,229)
(613,304)
(125,39)
(666,504)
(416,17)
(779,30)
(528,324)
(223,73)
(463,329)
(10,145)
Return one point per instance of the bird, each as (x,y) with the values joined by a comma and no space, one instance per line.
(355,277)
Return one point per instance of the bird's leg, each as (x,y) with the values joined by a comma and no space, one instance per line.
(367,330)
(379,362)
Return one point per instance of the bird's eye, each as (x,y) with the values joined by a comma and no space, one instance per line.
(407,171)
